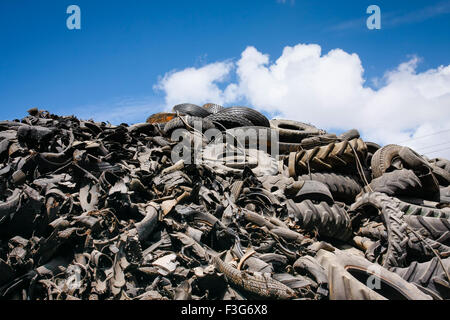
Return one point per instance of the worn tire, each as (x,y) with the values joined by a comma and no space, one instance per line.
(288,147)
(332,156)
(342,187)
(344,269)
(444,195)
(396,226)
(349,135)
(317,141)
(191,110)
(416,210)
(429,276)
(442,175)
(382,159)
(372,147)
(423,249)
(255,117)
(229,121)
(373,230)
(213,108)
(294,131)
(437,229)
(260,135)
(260,162)
(398,182)
(330,221)
(411,158)
(161,118)
(441,163)
(433,228)
(314,190)
(179,123)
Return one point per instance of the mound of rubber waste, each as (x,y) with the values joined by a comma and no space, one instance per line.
(214,203)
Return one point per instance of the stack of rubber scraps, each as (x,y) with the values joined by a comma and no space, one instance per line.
(90,210)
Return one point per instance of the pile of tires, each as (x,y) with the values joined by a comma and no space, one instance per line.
(390,198)
(209,203)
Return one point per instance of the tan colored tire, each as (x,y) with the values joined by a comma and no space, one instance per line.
(349,276)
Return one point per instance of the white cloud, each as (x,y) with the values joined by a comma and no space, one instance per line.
(196,84)
(329,91)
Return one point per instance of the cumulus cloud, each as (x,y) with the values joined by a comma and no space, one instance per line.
(196,84)
(328,90)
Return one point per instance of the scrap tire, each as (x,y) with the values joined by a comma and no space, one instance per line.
(316,191)
(342,187)
(213,157)
(161,118)
(255,117)
(434,228)
(412,158)
(190,120)
(330,221)
(191,110)
(373,230)
(442,163)
(382,159)
(444,194)
(372,147)
(229,121)
(344,286)
(317,141)
(213,108)
(425,248)
(428,276)
(294,131)
(397,182)
(396,226)
(263,134)
(416,210)
(332,156)
(288,147)
(349,135)
(442,175)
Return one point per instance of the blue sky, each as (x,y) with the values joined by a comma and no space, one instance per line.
(124,46)
(312,61)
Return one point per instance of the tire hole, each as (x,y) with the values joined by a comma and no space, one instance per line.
(289,127)
(385,289)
